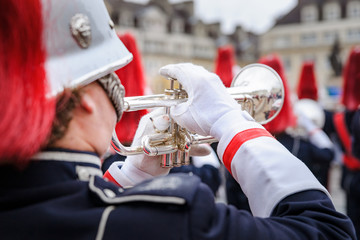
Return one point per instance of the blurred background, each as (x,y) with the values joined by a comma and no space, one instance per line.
(169,31)
(297,31)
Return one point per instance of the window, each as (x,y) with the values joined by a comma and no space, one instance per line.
(177,26)
(287,63)
(126,19)
(353,9)
(153,19)
(329,37)
(282,42)
(155,46)
(200,51)
(308,39)
(353,35)
(309,13)
(332,11)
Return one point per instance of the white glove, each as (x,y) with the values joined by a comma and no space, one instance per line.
(315,135)
(306,123)
(208,100)
(210,159)
(138,168)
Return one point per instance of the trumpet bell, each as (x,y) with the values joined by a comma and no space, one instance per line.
(263,90)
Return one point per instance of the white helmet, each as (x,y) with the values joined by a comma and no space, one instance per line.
(81,43)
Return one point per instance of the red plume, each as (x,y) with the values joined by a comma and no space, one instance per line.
(351,84)
(286,117)
(307,87)
(25,114)
(224,64)
(133,79)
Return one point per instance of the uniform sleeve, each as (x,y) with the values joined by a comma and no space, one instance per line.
(266,171)
(207,173)
(324,155)
(304,215)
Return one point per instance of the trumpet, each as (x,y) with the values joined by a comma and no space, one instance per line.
(257,88)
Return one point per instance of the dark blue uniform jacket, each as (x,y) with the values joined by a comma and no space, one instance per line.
(60,196)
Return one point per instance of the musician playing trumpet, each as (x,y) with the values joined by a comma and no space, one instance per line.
(52,190)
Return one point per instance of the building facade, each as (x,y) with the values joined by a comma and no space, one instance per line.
(322,31)
(169,33)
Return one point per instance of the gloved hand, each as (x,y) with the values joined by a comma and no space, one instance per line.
(307,124)
(210,159)
(208,100)
(244,145)
(138,168)
(315,135)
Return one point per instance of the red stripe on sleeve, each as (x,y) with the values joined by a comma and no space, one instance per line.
(238,140)
(108,176)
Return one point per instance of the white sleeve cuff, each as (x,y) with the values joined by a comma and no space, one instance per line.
(128,175)
(320,139)
(229,125)
(266,171)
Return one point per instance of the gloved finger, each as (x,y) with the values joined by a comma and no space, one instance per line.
(177,72)
(146,125)
(192,77)
(161,123)
(200,150)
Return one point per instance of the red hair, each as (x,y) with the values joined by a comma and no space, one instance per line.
(307,87)
(224,64)
(133,78)
(286,117)
(351,84)
(25,113)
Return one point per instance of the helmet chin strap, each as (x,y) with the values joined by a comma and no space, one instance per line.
(115,91)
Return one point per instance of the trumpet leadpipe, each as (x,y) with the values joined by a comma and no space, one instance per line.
(162,100)
(152,101)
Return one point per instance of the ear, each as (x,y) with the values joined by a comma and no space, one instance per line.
(87,103)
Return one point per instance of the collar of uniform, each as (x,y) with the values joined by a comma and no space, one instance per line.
(86,163)
(66,155)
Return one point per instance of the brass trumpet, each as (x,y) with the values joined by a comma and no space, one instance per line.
(257,87)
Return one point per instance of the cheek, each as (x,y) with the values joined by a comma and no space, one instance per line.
(111,119)
(107,114)
(114,120)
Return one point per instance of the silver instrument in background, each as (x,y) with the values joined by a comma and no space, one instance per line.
(257,87)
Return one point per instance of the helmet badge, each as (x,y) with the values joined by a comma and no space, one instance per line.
(81,30)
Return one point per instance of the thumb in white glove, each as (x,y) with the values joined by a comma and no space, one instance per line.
(138,168)
(208,99)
